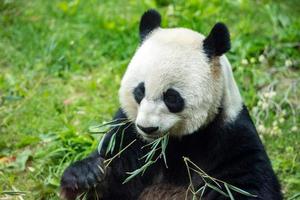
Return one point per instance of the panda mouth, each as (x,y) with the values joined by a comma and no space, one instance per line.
(152,137)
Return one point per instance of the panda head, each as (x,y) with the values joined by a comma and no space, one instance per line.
(175,83)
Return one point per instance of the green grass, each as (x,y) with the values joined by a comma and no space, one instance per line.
(61,63)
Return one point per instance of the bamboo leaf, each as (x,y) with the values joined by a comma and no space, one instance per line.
(202,193)
(137,171)
(217,189)
(110,144)
(228,191)
(241,191)
(122,136)
(164,147)
(200,189)
(152,152)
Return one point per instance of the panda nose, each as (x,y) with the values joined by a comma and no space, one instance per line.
(148,130)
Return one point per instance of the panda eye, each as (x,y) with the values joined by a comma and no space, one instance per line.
(170,98)
(173,100)
(139,92)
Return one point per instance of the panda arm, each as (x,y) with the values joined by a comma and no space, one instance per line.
(90,174)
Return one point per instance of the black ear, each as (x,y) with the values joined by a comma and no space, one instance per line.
(218,41)
(150,20)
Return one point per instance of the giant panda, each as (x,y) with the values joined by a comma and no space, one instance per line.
(179,83)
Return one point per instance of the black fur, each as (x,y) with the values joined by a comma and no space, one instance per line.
(139,92)
(230,152)
(218,41)
(173,100)
(150,20)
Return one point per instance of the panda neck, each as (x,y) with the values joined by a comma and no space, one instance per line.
(232,102)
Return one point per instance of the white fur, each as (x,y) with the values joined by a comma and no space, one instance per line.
(175,58)
(232,101)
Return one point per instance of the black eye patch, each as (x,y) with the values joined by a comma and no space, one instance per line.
(139,92)
(173,100)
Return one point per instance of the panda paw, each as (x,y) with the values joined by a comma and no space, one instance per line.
(82,176)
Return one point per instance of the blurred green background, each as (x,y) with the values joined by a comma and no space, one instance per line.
(61,63)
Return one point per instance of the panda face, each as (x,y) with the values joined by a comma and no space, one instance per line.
(169,85)
(174,83)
